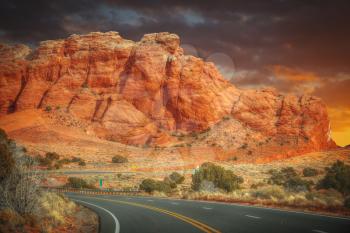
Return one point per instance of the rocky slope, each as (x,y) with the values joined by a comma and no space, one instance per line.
(149,92)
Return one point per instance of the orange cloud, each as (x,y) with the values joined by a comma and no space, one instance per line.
(295,80)
(293,75)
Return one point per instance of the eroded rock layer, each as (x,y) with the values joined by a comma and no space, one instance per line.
(142,92)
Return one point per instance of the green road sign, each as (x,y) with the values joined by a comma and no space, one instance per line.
(101,183)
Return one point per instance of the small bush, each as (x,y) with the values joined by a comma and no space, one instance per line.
(224,179)
(347,203)
(7,162)
(269,192)
(150,185)
(64,161)
(50,160)
(280,177)
(171,183)
(82,163)
(337,177)
(309,172)
(48,108)
(296,184)
(11,221)
(176,177)
(257,185)
(165,186)
(19,187)
(75,182)
(52,156)
(289,179)
(75,159)
(328,197)
(119,159)
(57,165)
(233,158)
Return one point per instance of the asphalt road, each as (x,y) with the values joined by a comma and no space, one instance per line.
(149,214)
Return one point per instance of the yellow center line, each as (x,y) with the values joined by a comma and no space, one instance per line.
(197,224)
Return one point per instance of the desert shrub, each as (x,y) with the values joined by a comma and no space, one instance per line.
(82,163)
(150,185)
(57,165)
(48,108)
(257,185)
(171,183)
(224,179)
(176,177)
(289,179)
(296,184)
(337,177)
(119,159)
(43,161)
(347,202)
(269,192)
(7,162)
(64,161)
(165,186)
(309,172)
(54,209)
(208,186)
(75,159)
(280,177)
(52,156)
(19,188)
(11,221)
(328,197)
(3,136)
(75,182)
(50,160)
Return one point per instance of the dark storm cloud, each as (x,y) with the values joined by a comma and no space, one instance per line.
(307,34)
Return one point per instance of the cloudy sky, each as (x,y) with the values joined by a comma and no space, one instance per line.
(295,46)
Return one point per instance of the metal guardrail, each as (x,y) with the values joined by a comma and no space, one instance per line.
(93,191)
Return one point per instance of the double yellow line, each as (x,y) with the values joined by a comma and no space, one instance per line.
(195,223)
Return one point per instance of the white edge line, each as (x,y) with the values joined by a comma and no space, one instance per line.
(251,216)
(117,225)
(318,231)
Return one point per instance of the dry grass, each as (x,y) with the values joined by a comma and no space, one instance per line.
(327,201)
(55,208)
(59,214)
(56,214)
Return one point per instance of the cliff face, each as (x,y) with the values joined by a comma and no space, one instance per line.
(142,92)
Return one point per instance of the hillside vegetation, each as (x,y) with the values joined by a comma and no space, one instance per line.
(25,207)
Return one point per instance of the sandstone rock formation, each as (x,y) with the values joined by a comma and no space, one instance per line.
(142,92)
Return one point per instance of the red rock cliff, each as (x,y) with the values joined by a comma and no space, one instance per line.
(140,92)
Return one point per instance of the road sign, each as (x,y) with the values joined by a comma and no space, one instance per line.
(101,183)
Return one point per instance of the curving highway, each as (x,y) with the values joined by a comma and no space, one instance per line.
(149,214)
